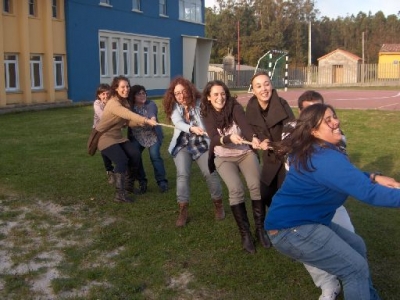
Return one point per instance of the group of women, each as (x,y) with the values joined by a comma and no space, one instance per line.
(212,129)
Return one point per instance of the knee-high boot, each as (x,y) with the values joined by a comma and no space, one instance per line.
(129,181)
(259,217)
(240,214)
(120,192)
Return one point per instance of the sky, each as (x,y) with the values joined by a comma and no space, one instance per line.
(334,9)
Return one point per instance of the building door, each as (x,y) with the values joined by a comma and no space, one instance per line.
(337,73)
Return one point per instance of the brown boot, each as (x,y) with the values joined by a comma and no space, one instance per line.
(219,209)
(183,213)
(240,214)
(120,192)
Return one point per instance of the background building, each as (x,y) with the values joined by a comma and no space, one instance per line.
(150,42)
(32,52)
(338,66)
(389,61)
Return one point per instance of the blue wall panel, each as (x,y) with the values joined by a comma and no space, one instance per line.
(84,19)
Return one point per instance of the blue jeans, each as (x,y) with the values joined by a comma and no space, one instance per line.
(183,162)
(156,161)
(332,249)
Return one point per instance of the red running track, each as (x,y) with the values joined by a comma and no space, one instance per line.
(344,99)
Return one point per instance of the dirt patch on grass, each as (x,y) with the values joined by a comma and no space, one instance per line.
(33,237)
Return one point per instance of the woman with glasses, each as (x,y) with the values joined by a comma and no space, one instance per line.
(320,179)
(147,137)
(189,143)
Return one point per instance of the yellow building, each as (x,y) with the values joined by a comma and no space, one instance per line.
(389,61)
(32,52)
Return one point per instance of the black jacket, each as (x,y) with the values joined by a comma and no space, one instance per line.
(279,113)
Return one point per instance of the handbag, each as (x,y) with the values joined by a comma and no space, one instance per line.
(93,141)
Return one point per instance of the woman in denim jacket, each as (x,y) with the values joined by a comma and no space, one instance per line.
(189,143)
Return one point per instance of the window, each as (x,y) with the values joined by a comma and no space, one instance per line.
(164,60)
(163,7)
(136,5)
(190,10)
(54,9)
(7,8)
(36,72)
(106,2)
(146,59)
(58,70)
(114,57)
(11,72)
(125,57)
(133,55)
(103,58)
(155,60)
(32,8)
(136,61)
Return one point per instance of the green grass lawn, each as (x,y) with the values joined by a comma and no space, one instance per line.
(62,236)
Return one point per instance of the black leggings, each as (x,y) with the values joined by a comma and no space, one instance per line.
(268,191)
(124,156)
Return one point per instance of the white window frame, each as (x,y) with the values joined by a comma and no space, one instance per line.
(146,58)
(136,5)
(126,62)
(103,57)
(155,62)
(11,61)
(190,10)
(7,6)
(164,60)
(163,7)
(54,9)
(115,57)
(58,70)
(32,8)
(136,58)
(36,69)
(105,2)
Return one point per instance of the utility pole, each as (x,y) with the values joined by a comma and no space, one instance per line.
(309,42)
(238,47)
(310,7)
(363,59)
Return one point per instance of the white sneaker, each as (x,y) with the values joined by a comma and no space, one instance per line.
(330,294)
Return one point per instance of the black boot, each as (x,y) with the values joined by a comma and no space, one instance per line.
(130,183)
(142,187)
(120,192)
(240,214)
(259,217)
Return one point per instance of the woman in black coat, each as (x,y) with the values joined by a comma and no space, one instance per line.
(268,114)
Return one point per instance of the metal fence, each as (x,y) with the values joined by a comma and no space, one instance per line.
(314,76)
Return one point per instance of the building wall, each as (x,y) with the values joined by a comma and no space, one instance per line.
(23,35)
(389,65)
(88,21)
(337,68)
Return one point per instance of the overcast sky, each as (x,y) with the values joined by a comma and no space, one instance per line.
(333,8)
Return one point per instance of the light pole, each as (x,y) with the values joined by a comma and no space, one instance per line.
(309,10)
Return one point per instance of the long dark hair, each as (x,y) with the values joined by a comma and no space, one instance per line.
(115,83)
(224,117)
(169,97)
(300,143)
